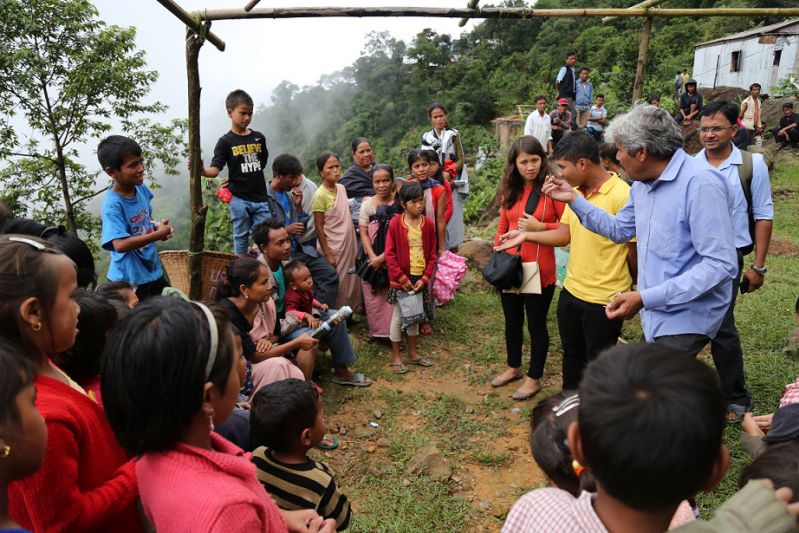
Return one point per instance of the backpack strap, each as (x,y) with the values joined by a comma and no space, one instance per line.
(745,173)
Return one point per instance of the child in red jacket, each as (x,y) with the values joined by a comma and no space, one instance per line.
(411,260)
(86,483)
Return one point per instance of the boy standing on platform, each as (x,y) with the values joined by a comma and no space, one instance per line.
(244,152)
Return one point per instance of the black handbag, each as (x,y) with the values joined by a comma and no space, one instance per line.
(377,278)
(504,270)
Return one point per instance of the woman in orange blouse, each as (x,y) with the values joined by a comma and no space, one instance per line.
(525,171)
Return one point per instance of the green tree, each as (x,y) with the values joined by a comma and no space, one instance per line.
(72,79)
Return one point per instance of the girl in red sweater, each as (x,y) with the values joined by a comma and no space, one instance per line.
(180,379)
(411,261)
(23,434)
(86,482)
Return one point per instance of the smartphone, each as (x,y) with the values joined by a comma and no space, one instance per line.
(744,285)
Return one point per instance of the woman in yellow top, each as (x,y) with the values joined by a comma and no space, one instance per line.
(334,229)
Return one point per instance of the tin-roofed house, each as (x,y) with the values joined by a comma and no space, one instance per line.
(763,55)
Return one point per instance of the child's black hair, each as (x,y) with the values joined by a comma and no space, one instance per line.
(260,232)
(787,105)
(25,271)
(600,95)
(410,190)
(96,321)
(154,371)
(16,373)
(653,98)
(77,250)
(322,158)
(281,411)
(114,149)
(754,85)
(415,155)
(539,98)
(383,167)
(237,98)
(549,427)
(610,152)
(291,268)
(577,145)
(112,290)
(779,464)
(651,421)
(286,165)
(240,271)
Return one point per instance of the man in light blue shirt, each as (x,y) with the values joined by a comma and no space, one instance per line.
(584,98)
(718,126)
(678,212)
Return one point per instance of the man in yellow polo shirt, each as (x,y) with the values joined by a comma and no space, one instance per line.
(598,269)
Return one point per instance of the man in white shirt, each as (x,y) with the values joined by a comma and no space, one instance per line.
(538,124)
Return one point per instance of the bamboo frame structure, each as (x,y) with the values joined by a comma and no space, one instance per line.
(482,13)
(198,24)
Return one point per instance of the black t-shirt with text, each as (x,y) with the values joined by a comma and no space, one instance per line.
(246,157)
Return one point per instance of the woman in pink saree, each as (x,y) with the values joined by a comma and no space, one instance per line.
(334,230)
(376,212)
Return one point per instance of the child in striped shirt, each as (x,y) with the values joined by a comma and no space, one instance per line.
(287,420)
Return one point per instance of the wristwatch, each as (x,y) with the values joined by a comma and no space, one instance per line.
(760,270)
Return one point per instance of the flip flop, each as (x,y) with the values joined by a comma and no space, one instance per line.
(332,446)
(522,397)
(496,382)
(421,361)
(425,329)
(398,367)
(739,410)
(356,380)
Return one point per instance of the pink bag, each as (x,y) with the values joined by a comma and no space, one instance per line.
(449,272)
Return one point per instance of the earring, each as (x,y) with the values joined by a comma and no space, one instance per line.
(246,296)
(211,422)
(578,468)
(36,326)
(6,452)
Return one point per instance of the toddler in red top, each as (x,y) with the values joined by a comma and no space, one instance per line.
(299,299)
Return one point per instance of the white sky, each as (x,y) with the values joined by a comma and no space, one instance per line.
(260,53)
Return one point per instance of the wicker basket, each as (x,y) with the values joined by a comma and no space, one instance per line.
(214,264)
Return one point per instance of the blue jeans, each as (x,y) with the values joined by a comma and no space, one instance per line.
(338,339)
(244,215)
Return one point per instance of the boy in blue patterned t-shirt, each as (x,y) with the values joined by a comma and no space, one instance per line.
(129,231)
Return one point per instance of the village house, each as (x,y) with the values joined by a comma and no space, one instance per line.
(764,55)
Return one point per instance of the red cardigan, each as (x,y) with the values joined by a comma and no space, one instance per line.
(509,220)
(86,482)
(398,255)
(445,186)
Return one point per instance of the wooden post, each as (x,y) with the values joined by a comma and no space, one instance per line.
(643,59)
(197,209)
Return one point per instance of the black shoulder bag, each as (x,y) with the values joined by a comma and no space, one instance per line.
(504,270)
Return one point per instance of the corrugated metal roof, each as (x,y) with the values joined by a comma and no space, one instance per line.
(751,33)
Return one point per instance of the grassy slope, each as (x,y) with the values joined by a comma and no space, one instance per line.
(487,448)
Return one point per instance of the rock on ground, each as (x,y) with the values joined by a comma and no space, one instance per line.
(477,252)
(428,460)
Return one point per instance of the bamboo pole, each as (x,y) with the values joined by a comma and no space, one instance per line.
(197,209)
(471,5)
(251,5)
(193,22)
(482,13)
(644,4)
(643,59)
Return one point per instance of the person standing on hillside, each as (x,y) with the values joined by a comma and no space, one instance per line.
(752,212)
(539,124)
(750,114)
(566,81)
(447,144)
(584,96)
(357,179)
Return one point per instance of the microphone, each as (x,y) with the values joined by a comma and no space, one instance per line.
(325,327)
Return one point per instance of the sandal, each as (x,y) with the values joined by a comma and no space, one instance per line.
(739,410)
(332,440)
(355,380)
(421,361)
(425,329)
(398,367)
(499,382)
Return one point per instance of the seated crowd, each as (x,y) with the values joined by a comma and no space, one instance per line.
(127,407)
